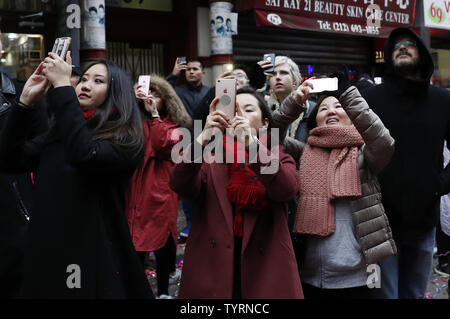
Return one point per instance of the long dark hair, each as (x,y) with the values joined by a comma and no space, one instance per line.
(118,118)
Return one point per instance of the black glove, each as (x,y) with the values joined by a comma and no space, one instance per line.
(257,77)
(343,80)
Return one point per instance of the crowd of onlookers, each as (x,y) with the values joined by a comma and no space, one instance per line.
(332,193)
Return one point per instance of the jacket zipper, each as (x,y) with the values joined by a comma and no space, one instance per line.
(22,208)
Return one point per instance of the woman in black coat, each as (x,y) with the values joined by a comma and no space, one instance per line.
(79,244)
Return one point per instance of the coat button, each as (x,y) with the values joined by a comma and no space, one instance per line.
(213,243)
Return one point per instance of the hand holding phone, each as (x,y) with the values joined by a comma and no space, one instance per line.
(269,57)
(180,65)
(226,92)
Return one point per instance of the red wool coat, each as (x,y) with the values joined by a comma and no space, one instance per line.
(152,207)
(268,267)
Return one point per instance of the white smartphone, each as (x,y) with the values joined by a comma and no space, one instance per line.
(61,46)
(324,84)
(144,82)
(226,92)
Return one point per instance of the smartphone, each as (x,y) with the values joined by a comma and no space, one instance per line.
(61,46)
(181,59)
(271,58)
(144,82)
(226,92)
(324,84)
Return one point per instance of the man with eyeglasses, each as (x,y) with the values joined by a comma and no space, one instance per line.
(417,115)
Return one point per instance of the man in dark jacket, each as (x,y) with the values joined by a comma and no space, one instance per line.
(417,115)
(14,214)
(15,199)
(191,94)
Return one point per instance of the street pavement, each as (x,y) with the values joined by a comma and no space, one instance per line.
(436,289)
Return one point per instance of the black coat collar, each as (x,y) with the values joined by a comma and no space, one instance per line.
(7,86)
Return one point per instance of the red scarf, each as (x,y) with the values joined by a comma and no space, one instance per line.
(244,190)
(89,113)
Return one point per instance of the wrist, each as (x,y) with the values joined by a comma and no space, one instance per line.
(300,99)
(24,105)
(61,83)
(24,102)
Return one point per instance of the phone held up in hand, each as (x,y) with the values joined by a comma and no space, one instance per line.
(226,92)
(324,84)
(144,82)
(270,57)
(181,59)
(61,46)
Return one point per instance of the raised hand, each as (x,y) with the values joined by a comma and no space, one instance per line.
(57,70)
(266,65)
(150,105)
(139,93)
(215,120)
(179,67)
(35,88)
(343,79)
(241,127)
(303,92)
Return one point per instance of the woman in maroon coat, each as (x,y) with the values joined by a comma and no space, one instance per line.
(152,207)
(239,244)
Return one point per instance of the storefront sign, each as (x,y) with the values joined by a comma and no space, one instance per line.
(156,5)
(437,14)
(374,18)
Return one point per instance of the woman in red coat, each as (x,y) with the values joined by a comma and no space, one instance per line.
(152,207)
(239,244)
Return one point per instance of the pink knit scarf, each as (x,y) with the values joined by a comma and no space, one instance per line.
(328,170)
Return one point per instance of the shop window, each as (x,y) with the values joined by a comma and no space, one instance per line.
(21,54)
(441,75)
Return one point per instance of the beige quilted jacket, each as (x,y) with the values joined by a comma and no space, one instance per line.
(371,222)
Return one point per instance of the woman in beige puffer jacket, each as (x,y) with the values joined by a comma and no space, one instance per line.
(336,260)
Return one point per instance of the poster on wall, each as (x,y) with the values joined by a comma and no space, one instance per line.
(437,14)
(93,31)
(222,28)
